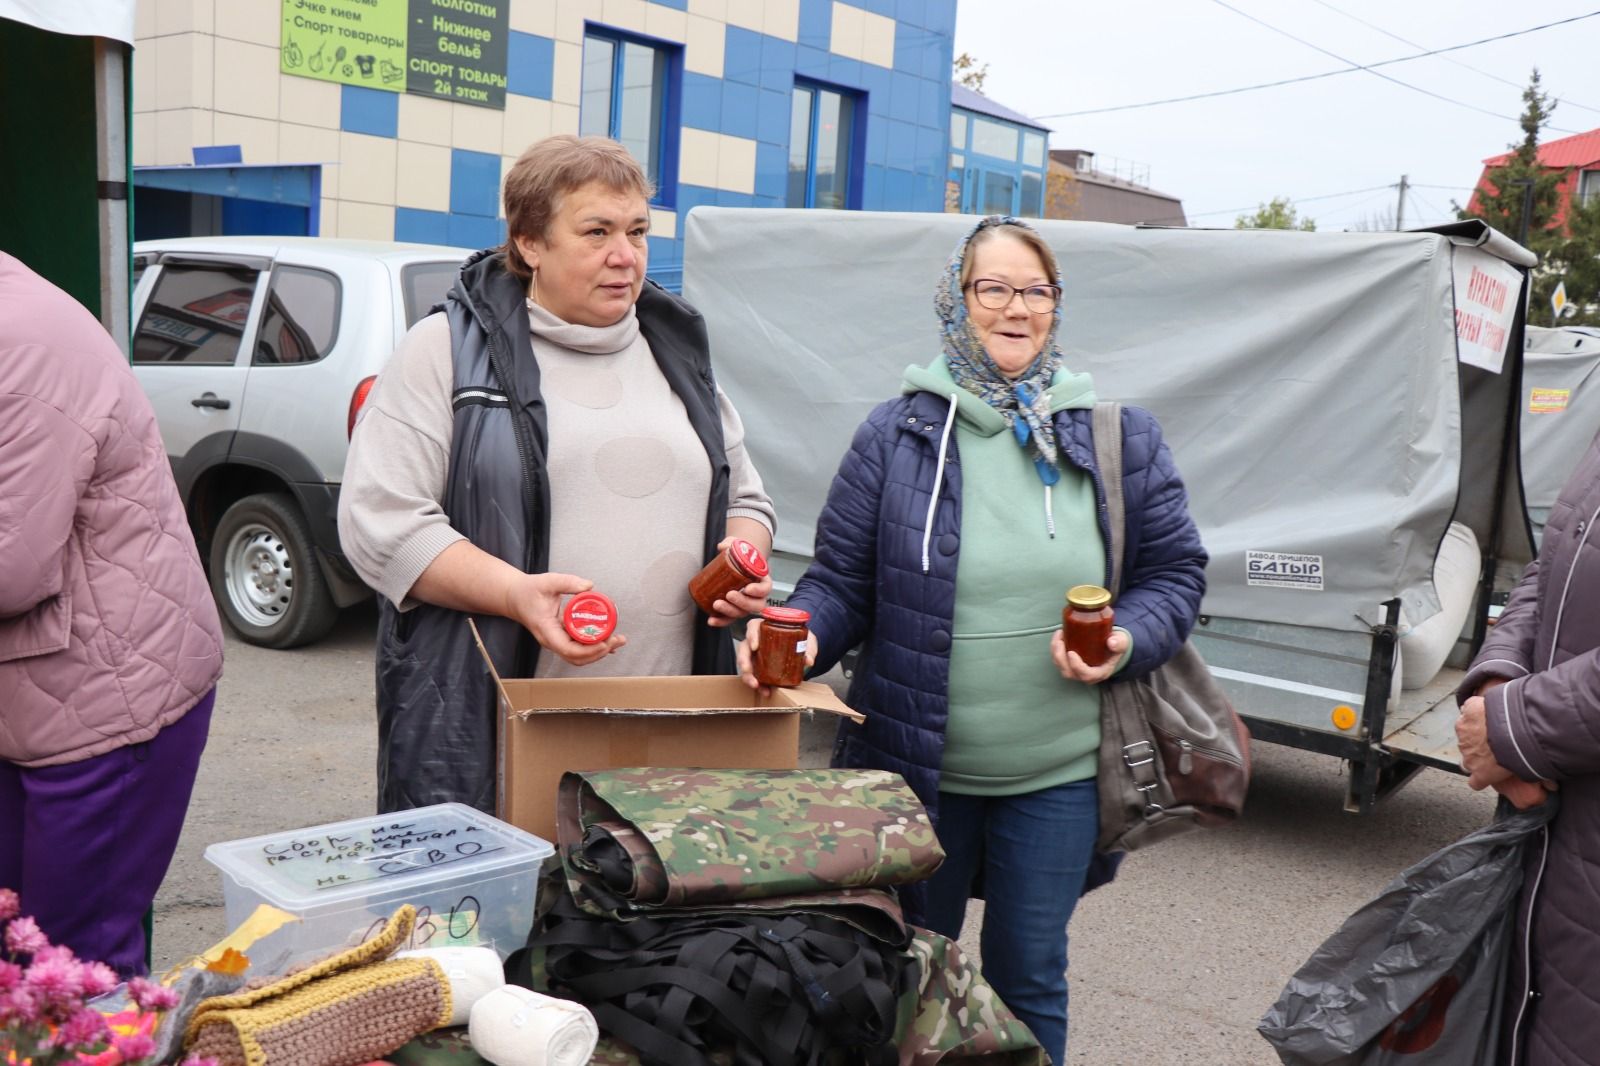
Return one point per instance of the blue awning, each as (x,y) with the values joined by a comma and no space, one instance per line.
(298,185)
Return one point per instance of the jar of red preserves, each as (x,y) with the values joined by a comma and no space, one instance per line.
(737,566)
(780,661)
(1086,623)
(589,617)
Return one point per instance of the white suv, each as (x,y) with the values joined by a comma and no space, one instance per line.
(257,353)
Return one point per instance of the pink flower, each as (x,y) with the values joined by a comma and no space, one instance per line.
(98,979)
(151,996)
(10,976)
(10,906)
(84,1031)
(56,975)
(133,1046)
(21,1004)
(24,937)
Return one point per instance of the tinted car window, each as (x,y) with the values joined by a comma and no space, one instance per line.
(195,315)
(302,317)
(425,285)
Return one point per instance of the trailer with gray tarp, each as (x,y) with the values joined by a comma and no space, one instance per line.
(1343,408)
(1560,410)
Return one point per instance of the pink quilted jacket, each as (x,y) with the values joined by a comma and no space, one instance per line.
(107,628)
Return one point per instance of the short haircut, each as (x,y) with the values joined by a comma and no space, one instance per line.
(1026,234)
(553,167)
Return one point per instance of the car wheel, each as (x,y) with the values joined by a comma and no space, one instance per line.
(264,574)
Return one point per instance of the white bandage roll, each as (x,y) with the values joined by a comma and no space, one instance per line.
(516,1026)
(472,972)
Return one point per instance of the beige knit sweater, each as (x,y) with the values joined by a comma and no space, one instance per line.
(628,479)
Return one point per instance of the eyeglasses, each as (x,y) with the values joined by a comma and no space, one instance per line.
(997,295)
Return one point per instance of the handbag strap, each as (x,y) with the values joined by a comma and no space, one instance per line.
(1138,750)
(1108,457)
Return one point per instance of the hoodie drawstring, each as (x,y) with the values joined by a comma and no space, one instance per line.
(938,480)
(1049,514)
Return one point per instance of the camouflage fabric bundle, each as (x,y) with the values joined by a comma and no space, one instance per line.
(748,917)
(639,839)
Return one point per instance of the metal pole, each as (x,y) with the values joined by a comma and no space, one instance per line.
(1400,208)
(1527,209)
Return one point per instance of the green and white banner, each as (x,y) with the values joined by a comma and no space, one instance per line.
(451,49)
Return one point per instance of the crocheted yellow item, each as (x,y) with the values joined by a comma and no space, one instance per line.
(345,1010)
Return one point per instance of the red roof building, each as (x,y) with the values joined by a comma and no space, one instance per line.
(1578,154)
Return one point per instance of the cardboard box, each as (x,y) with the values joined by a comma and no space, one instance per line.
(550,726)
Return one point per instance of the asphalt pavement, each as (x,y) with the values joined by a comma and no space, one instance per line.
(1174,963)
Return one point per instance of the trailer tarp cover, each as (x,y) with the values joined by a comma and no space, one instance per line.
(1560,409)
(1308,384)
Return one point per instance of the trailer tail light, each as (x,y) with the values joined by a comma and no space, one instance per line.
(357,399)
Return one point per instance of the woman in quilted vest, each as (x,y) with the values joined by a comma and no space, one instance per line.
(110,645)
(962,512)
(555,427)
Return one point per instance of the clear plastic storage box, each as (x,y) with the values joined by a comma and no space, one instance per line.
(472,878)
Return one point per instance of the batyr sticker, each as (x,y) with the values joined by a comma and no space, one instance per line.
(1284,570)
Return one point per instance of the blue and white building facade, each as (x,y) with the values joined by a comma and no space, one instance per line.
(999,158)
(753,103)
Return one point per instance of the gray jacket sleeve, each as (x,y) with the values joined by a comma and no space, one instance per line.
(392,523)
(1507,652)
(747,497)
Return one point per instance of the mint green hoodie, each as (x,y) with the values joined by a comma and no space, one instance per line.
(1016,725)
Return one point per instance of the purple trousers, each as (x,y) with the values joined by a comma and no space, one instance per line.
(86,844)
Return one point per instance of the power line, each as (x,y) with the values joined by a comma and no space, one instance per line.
(1316,77)
(1292,202)
(1457,62)
(1370,70)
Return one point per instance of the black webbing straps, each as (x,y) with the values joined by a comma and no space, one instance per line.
(776,988)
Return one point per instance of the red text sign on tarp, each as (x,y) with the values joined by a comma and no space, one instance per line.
(1486,291)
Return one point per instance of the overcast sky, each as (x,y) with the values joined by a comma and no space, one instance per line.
(1338,134)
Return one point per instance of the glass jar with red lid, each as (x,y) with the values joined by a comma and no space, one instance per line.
(1086,623)
(589,617)
(780,660)
(735,567)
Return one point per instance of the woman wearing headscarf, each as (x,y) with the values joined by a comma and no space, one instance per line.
(963,511)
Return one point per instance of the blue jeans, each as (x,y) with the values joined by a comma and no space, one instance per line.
(1034,850)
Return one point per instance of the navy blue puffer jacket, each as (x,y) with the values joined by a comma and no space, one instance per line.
(868,586)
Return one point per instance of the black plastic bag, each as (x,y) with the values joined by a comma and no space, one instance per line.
(1417,976)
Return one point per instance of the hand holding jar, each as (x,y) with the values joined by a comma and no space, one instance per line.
(760,669)
(1088,648)
(734,584)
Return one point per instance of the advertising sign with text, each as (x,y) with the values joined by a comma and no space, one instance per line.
(451,49)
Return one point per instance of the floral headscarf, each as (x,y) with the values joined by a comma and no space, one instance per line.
(1024,401)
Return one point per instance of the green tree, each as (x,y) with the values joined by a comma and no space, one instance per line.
(1568,250)
(1279,214)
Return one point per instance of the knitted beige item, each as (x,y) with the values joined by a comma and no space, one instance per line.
(345,1010)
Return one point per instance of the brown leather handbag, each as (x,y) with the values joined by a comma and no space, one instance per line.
(1174,754)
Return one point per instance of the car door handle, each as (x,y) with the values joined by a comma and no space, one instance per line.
(211,400)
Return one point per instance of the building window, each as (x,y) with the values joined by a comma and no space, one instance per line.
(821,132)
(1589,186)
(1033,149)
(625,96)
(1031,202)
(991,138)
